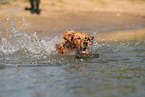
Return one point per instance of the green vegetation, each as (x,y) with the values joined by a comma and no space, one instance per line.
(5,1)
(52,4)
(60,0)
(10,1)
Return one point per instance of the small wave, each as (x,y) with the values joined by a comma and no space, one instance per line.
(23,41)
(22,48)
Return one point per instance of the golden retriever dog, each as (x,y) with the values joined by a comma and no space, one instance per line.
(75,40)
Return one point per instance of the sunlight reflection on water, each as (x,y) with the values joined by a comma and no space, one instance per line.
(31,67)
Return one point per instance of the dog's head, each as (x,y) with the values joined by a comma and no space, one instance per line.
(79,39)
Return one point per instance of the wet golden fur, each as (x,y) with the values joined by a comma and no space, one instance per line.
(75,40)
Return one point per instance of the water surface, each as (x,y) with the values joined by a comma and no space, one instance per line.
(31,67)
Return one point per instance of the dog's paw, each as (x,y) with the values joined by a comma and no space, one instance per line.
(60,48)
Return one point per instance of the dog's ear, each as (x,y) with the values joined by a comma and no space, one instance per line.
(68,37)
(91,40)
(92,37)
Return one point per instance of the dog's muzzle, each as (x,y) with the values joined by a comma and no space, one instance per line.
(85,44)
(83,49)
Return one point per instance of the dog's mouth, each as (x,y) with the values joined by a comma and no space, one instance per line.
(83,50)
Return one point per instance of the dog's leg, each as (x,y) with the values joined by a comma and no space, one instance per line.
(87,51)
(79,50)
(60,48)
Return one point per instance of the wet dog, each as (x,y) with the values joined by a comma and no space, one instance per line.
(75,40)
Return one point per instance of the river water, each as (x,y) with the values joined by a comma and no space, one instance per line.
(31,67)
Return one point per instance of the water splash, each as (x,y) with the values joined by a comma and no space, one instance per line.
(20,48)
(13,40)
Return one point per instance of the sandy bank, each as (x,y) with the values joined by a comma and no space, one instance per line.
(88,16)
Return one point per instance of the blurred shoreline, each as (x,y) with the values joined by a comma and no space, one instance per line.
(57,16)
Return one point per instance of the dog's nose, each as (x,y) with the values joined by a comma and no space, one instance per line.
(85,44)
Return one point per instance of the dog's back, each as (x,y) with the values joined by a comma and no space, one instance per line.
(75,40)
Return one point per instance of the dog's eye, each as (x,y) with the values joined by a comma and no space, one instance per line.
(85,37)
(78,38)
(89,39)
